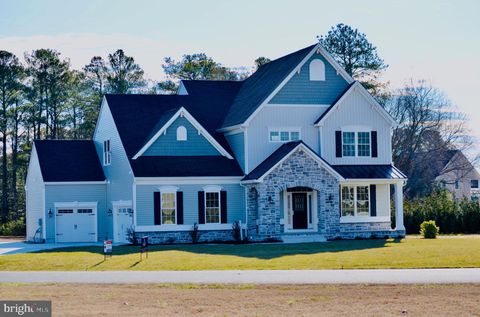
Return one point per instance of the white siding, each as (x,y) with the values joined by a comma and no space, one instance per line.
(383,200)
(294,116)
(355,110)
(34,197)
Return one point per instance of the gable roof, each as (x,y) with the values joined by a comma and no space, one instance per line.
(356,86)
(69,161)
(280,155)
(170,118)
(138,117)
(259,85)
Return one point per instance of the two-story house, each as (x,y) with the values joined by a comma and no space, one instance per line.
(299,151)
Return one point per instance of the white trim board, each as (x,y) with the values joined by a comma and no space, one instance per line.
(184,113)
(187,180)
(77,183)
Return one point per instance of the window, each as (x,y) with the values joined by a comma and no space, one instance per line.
(356,144)
(284,135)
(363,208)
(107,156)
(317,70)
(168,206)
(84,211)
(181,133)
(212,207)
(348,201)
(65,211)
(348,144)
(355,201)
(363,143)
(474,183)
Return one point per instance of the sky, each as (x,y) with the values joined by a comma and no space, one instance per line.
(435,40)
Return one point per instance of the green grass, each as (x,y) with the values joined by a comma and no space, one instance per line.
(407,253)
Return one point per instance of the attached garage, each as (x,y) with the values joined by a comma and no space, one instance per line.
(66,193)
(76,222)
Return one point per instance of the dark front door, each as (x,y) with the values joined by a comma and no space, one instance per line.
(300,220)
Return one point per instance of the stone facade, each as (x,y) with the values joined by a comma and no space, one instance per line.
(369,230)
(301,170)
(166,237)
(298,170)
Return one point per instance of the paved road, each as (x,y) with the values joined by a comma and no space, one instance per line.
(393,276)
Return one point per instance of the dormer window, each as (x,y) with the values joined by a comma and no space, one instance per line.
(181,133)
(317,70)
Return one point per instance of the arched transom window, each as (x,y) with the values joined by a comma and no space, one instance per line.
(317,70)
(181,133)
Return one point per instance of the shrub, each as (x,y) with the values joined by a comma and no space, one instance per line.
(429,230)
(13,228)
(237,231)
(132,236)
(195,233)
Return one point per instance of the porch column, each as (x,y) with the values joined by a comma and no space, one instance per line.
(399,206)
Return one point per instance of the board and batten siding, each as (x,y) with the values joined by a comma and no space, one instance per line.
(81,193)
(356,111)
(280,116)
(235,203)
(34,197)
(237,143)
(301,90)
(195,145)
(118,173)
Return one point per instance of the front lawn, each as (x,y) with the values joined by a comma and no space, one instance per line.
(447,252)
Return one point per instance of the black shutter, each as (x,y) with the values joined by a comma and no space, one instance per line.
(374,144)
(201,207)
(179,208)
(223,206)
(373,200)
(338,143)
(157,219)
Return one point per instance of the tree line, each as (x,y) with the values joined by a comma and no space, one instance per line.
(43,97)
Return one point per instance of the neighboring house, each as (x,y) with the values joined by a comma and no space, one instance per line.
(459,176)
(299,151)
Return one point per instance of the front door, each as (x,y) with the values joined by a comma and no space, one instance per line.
(300,218)
(124,222)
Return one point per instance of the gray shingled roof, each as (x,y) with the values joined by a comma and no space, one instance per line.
(256,88)
(69,161)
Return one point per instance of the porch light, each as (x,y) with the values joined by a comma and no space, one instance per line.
(50,213)
(109,212)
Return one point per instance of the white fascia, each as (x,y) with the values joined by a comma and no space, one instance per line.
(183,112)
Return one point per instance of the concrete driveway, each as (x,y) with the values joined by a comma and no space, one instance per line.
(18,246)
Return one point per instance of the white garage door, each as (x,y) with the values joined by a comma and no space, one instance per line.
(76,224)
